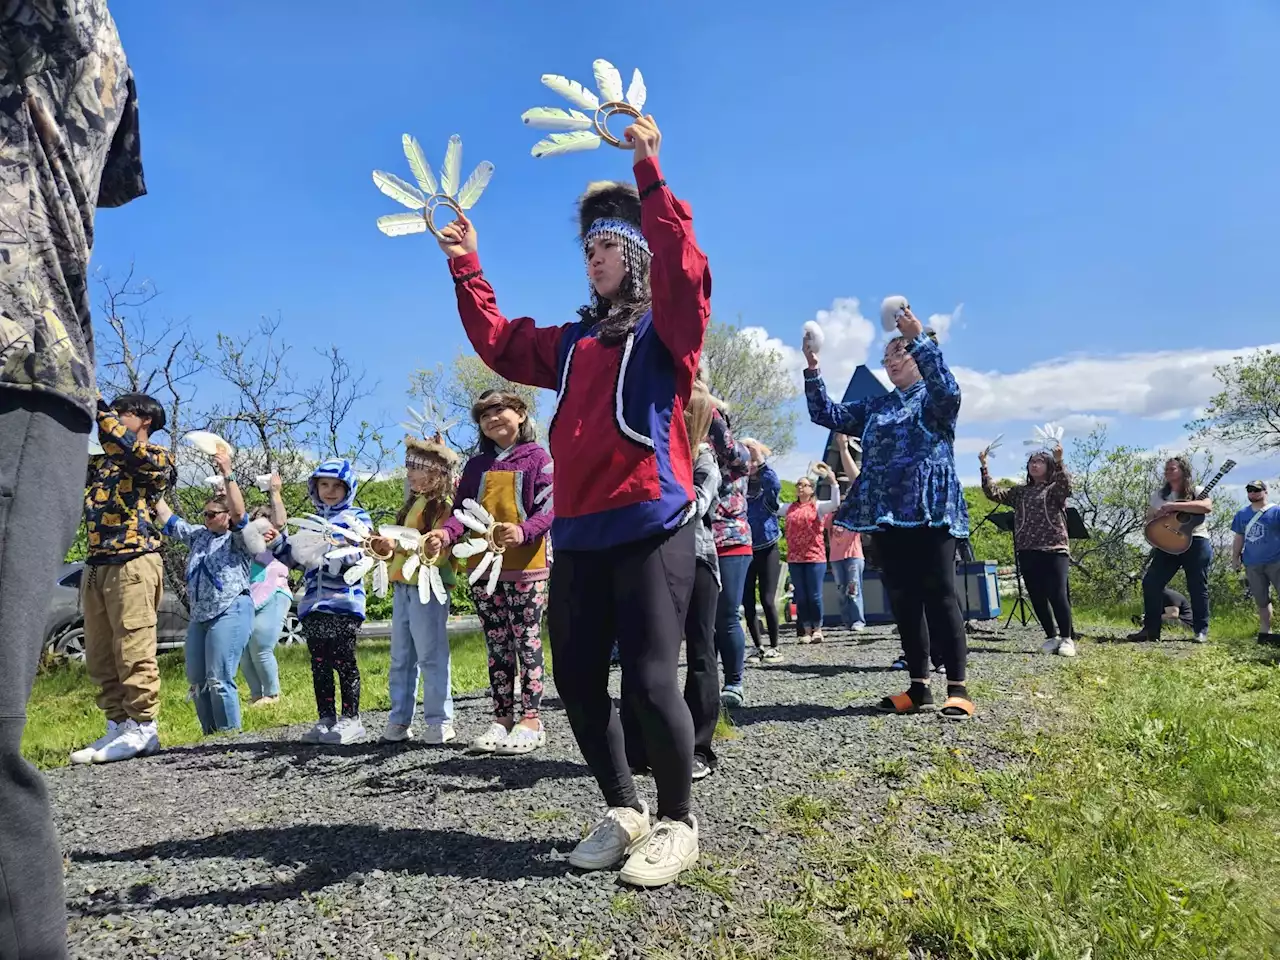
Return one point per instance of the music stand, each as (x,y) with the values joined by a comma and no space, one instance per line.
(1003,520)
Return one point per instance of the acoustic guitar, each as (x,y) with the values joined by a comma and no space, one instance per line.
(1172,532)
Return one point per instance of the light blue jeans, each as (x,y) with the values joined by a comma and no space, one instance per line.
(848,572)
(419,646)
(213,652)
(258,662)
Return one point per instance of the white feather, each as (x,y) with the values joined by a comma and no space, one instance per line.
(469,548)
(208,443)
(398,190)
(471,522)
(356,572)
(813,337)
(890,307)
(418,164)
(451,172)
(495,571)
(480,512)
(253,533)
(308,548)
(608,80)
(406,537)
(558,144)
(402,224)
(437,584)
(481,567)
(555,118)
(637,93)
(345,553)
(381,579)
(424,586)
(411,565)
(474,186)
(572,91)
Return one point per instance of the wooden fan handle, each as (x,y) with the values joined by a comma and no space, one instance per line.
(601,121)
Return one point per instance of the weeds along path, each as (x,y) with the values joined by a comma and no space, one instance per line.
(821,831)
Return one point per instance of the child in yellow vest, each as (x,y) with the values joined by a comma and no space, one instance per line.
(505,478)
(419,631)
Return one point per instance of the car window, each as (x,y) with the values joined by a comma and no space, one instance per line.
(72,579)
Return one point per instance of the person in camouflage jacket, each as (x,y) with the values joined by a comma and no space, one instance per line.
(68,144)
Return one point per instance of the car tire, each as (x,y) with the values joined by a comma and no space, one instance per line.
(291,630)
(69,643)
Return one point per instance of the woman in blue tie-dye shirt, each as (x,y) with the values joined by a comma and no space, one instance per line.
(910,500)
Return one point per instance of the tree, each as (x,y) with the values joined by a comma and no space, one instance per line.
(754,379)
(454,389)
(1245,414)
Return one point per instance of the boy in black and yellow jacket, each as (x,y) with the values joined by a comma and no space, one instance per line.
(124,576)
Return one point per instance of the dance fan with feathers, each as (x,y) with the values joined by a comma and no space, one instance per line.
(990,449)
(891,308)
(1047,437)
(318,540)
(209,443)
(448,190)
(583,131)
(420,561)
(427,422)
(478,520)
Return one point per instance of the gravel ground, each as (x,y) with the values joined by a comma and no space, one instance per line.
(263,846)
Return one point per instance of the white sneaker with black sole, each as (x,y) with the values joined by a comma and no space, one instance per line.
(611,838)
(318,732)
(669,850)
(85,754)
(773,653)
(700,769)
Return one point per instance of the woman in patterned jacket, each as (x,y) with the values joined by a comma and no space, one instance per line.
(910,500)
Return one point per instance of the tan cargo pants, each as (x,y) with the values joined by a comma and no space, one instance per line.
(120,603)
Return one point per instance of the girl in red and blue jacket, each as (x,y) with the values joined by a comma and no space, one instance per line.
(624,495)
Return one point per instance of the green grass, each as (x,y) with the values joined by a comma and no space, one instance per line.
(1136,816)
(63,716)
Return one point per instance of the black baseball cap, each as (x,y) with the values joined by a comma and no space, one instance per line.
(1256,486)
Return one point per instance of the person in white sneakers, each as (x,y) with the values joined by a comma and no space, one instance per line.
(1257,549)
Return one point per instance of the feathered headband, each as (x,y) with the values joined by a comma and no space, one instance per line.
(424,454)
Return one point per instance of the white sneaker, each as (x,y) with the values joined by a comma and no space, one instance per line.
(773,653)
(858,627)
(132,739)
(346,730)
(1051,645)
(317,733)
(85,754)
(438,733)
(522,740)
(397,733)
(489,741)
(1067,648)
(611,838)
(666,853)
(1201,637)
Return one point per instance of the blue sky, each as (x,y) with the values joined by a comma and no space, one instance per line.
(1094,182)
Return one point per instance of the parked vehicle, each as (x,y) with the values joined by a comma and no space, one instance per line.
(64,630)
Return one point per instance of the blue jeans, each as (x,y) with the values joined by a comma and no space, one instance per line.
(849,572)
(1163,566)
(419,647)
(807,580)
(258,662)
(213,653)
(731,642)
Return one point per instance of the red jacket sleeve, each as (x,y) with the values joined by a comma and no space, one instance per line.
(517,349)
(678,274)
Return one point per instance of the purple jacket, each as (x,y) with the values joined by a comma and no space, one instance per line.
(527,460)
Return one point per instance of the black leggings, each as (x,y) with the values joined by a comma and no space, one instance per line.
(764,570)
(1045,575)
(702,679)
(331,639)
(919,568)
(639,594)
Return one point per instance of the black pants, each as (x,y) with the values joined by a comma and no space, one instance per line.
(763,573)
(639,594)
(919,566)
(701,680)
(1195,562)
(331,640)
(1045,575)
(43,453)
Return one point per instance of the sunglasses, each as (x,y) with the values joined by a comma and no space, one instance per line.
(213,514)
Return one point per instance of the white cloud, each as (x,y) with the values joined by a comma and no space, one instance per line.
(1159,385)
(943,322)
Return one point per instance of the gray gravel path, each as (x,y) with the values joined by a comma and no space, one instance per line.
(263,846)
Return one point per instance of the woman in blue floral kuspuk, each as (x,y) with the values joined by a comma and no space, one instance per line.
(910,500)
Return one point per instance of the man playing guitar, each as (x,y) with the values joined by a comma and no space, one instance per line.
(1178,495)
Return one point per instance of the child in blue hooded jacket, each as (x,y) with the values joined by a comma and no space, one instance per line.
(332,610)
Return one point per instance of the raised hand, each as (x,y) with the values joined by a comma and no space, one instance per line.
(645,136)
(276,483)
(908,325)
(458,238)
(222,463)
